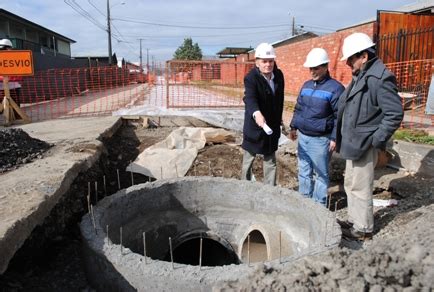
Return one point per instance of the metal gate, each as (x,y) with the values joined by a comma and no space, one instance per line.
(205,84)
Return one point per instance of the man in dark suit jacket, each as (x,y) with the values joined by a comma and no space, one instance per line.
(263,99)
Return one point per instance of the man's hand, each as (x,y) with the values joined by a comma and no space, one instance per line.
(259,119)
(293,134)
(332,146)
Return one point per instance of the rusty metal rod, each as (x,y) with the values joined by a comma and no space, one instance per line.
(325,233)
(107,233)
(93,219)
(171,252)
(132,176)
(105,186)
(310,236)
(96,192)
(144,246)
(88,196)
(200,253)
(120,239)
(119,180)
(280,247)
(248,250)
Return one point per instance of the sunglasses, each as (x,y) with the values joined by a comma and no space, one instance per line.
(315,68)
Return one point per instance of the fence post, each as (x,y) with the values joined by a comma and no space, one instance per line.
(167,83)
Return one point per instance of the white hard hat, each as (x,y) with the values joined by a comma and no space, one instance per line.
(316,57)
(265,51)
(5,43)
(355,43)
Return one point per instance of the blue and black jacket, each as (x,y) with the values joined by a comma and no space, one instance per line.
(316,110)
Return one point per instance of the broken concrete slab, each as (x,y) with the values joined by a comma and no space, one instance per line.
(28,194)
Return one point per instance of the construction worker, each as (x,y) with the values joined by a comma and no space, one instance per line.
(315,120)
(263,99)
(14,81)
(370,110)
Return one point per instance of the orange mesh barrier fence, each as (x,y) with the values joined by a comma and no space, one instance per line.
(413,79)
(205,84)
(73,92)
(70,92)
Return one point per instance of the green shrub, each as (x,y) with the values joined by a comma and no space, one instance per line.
(415,136)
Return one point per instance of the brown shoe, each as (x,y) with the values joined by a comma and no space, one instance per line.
(345,223)
(353,234)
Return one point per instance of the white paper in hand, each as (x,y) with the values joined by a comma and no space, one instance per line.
(267,129)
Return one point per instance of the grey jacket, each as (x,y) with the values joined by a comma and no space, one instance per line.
(369,113)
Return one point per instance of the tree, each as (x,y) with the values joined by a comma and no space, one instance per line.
(188,51)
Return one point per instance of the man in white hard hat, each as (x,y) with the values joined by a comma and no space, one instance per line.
(5,44)
(315,120)
(263,99)
(14,81)
(370,110)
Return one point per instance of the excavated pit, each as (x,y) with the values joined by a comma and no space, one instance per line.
(239,223)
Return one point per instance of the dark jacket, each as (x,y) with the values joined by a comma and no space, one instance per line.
(317,106)
(369,111)
(259,96)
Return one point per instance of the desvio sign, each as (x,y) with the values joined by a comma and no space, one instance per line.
(16,63)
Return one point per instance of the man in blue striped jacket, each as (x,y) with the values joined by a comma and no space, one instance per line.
(315,119)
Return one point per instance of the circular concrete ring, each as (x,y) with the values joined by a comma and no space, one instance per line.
(229,208)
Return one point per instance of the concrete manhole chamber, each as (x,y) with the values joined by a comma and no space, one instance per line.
(233,224)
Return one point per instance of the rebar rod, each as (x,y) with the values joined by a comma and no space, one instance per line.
(200,253)
(105,186)
(96,192)
(248,250)
(171,252)
(120,239)
(119,179)
(144,246)
(280,247)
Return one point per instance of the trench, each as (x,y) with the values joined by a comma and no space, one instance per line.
(51,257)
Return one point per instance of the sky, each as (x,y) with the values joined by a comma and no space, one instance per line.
(163,25)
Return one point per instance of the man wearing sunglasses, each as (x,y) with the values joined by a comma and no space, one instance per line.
(314,124)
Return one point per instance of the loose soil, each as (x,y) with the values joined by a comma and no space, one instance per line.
(18,148)
(400,257)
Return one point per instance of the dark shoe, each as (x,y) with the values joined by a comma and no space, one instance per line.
(345,223)
(353,234)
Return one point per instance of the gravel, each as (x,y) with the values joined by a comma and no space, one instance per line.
(18,148)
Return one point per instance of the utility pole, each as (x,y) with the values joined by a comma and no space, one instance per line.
(147,60)
(109,31)
(141,64)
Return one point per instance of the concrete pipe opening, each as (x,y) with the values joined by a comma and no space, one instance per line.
(215,251)
(254,248)
(282,225)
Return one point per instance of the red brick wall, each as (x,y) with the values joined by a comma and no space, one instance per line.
(290,58)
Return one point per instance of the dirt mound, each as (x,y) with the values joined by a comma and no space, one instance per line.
(17,148)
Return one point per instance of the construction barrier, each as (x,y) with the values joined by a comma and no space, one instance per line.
(413,79)
(181,84)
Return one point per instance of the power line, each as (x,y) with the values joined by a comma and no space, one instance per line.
(96,8)
(205,36)
(199,27)
(74,5)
